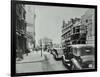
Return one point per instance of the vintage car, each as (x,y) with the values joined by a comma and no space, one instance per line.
(57,53)
(86,54)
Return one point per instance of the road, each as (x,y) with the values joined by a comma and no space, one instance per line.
(48,63)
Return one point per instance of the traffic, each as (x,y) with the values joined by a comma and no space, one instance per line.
(76,57)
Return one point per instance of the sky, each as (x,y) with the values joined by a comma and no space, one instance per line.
(49,19)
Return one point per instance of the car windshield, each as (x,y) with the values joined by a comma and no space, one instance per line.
(87,51)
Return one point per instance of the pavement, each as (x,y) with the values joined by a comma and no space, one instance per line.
(32,57)
(34,62)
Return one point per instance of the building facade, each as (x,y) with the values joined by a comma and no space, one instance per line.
(31,36)
(66,33)
(73,32)
(79,30)
(20,28)
(88,20)
(30,29)
(78,33)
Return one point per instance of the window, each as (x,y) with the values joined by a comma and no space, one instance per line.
(77,29)
(74,30)
(86,20)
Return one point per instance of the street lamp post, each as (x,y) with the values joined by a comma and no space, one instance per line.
(41,46)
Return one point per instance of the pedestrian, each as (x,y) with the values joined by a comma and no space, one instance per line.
(27,51)
(16,53)
(21,54)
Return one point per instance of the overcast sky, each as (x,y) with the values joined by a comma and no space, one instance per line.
(49,19)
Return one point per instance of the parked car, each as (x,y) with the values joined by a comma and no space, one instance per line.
(57,53)
(84,53)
